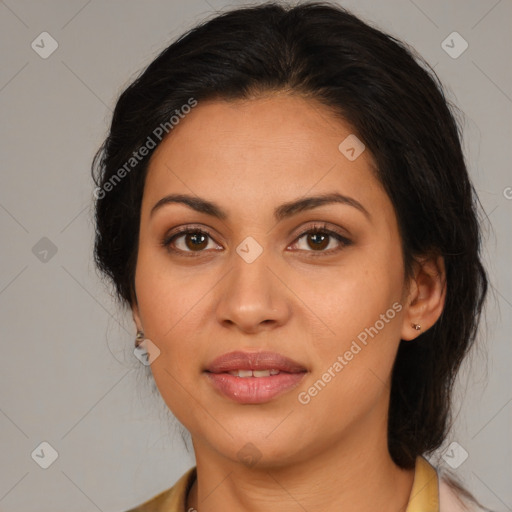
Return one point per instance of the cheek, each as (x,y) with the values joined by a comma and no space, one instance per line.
(175,305)
(352,297)
(353,359)
(169,306)
(165,292)
(360,309)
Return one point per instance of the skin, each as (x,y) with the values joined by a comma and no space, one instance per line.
(250,157)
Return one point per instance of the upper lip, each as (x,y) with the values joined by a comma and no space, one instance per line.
(239,360)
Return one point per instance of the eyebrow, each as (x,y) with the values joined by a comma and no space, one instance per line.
(281,212)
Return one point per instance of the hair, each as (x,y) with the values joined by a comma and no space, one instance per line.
(392,100)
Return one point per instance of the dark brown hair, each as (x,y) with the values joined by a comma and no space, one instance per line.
(395,104)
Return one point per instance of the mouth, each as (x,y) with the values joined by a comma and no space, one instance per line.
(254,361)
(253,373)
(254,377)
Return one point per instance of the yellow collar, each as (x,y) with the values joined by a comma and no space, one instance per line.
(424,495)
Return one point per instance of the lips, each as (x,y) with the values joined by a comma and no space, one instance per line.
(254,377)
(254,361)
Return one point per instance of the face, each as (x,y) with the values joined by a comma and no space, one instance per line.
(319,283)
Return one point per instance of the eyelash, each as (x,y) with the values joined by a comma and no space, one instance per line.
(315,229)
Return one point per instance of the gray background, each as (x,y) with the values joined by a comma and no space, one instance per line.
(67,374)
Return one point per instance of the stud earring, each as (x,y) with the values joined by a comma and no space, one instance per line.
(139,338)
(417,327)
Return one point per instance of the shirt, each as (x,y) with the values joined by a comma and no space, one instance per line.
(429,493)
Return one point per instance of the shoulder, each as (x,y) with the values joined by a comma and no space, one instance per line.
(453,497)
(170,500)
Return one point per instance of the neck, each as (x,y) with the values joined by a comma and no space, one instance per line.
(355,475)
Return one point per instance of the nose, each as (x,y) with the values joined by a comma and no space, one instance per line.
(252,296)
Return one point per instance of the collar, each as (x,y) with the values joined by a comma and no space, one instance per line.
(424,495)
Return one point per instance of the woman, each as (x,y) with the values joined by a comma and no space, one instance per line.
(283,204)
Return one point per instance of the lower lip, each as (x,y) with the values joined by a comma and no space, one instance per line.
(254,390)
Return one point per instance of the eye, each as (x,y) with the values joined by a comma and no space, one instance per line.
(319,237)
(192,240)
(195,240)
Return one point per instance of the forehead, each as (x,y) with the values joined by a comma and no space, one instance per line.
(277,123)
(270,147)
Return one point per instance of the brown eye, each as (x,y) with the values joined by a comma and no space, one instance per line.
(191,241)
(319,238)
(195,241)
(188,240)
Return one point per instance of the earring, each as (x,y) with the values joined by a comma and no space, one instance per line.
(416,326)
(139,338)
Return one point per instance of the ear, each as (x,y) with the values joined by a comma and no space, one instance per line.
(426,296)
(135,313)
